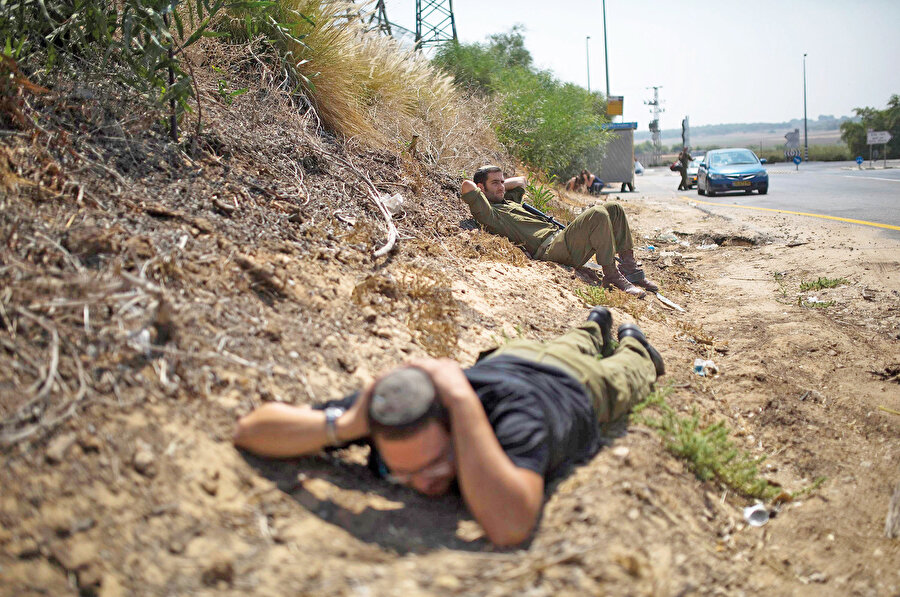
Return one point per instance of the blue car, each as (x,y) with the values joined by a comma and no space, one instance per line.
(734,169)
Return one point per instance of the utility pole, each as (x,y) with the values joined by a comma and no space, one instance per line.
(605,50)
(654,124)
(805,138)
(587,49)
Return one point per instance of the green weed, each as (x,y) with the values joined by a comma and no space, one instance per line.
(708,451)
(540,195)
(822,283)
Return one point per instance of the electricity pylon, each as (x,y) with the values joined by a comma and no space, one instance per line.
(435,23)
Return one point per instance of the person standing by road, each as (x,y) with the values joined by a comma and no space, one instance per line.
(684,159)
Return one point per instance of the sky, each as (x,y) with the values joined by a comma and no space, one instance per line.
(716,62)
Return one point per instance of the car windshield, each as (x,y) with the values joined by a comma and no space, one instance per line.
(728,158)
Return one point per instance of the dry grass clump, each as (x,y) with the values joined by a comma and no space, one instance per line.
(376,93)
(485,246)
(427,297)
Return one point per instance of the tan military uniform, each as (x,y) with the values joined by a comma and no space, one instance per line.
(600,230)
(615,384)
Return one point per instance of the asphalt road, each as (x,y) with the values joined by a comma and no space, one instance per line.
(836,189)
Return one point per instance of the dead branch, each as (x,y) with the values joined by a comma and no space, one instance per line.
(376,198)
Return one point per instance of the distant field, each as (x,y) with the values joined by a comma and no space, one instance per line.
(755,140)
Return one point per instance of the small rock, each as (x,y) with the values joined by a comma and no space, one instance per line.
(347,363)
(621,452)
(56,450)
(385,333)
(25,548)
(221,570)
(447,582)
(210,484)
(144,460)
(75,555)
(633,514)
(110,587)
(90,442)
(90,578)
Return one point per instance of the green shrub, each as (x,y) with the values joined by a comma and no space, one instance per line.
(707,450)
(551,126)
(145,39)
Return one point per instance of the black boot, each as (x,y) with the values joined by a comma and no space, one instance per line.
(602,317)
(630,330)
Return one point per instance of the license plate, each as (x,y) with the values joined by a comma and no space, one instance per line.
(742,183)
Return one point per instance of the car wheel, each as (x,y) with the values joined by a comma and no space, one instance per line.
(710,192)
(748,191)
(763,190)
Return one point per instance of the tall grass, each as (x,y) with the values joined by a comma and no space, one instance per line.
(369,89)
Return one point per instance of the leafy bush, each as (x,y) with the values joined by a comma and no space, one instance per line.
(854,133)
(145,38)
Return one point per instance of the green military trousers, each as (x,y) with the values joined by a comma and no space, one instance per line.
(601,230)
(615,383)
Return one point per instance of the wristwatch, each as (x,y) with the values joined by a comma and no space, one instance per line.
(332,414)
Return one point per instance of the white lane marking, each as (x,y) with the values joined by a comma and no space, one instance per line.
(872,178)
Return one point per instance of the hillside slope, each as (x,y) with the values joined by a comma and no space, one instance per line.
(152,294)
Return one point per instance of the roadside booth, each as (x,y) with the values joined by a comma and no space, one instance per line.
(617,164)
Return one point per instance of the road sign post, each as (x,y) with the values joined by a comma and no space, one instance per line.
(859,161)
(797,160)
(878,138)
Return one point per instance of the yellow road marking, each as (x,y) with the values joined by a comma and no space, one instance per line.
(796,213)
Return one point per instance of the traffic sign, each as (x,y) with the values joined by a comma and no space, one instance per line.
(859,159)
(797,159)
(877,137)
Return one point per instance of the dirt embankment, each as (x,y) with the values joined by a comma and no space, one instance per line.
(148,297)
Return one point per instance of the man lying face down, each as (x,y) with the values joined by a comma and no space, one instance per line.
(502,428)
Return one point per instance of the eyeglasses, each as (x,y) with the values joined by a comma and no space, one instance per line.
(442,465)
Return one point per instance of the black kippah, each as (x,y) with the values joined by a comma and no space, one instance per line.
(402,399)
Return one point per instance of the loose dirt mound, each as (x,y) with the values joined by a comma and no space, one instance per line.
(151,295)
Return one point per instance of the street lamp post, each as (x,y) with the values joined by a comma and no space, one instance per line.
(587,50)
(805,138)
(605,50)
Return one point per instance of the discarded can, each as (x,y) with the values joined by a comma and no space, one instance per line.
(705,368)
(756,515)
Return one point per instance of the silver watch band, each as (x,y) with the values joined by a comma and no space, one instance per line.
(332,414)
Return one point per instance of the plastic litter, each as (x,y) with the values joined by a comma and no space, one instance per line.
(705,368)
(709,247)
(756,515)
(650,248)
(669,254)
(669,303)
(814,300)
(393,203)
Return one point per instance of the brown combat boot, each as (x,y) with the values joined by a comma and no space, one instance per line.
(612,278)
(633,272)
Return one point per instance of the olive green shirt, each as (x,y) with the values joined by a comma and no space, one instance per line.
(508,218)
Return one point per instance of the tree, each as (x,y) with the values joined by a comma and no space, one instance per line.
(854,133)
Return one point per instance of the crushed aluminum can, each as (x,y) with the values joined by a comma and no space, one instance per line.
(756,515)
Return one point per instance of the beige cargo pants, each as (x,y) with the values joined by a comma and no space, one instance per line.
(615,384)
(601,230)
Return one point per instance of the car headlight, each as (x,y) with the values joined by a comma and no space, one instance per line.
(761,174)
(716,176)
